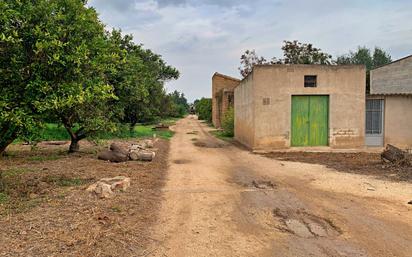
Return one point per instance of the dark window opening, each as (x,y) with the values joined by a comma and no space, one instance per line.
(230,100)
(310,80)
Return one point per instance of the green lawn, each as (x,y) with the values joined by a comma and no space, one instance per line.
(51,132)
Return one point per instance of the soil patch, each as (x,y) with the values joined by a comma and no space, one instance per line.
(181,161)
(263,184)
(359,163)
(207,144)
(47,212)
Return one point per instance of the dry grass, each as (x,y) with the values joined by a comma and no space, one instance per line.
(45,210)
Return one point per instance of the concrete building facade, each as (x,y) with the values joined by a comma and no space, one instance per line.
(222,96)
(389,105)
(279,106)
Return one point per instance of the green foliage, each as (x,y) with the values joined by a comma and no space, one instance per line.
(54,55)
(51,132)
(249,59)
(138,81)
(204,109)
(57,63)
(365,56)
(17,115)
(294,52)
(301,53)
(221,135)
(228,122)
(176,105)
(3,197)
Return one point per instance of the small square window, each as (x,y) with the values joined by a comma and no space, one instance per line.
(310,80)
(266,101)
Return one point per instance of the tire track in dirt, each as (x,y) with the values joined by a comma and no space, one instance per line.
(223,201)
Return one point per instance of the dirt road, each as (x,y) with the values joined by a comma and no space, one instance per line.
(221,200)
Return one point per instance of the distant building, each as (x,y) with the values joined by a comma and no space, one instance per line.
(389,105)
(222,96)
(280,106)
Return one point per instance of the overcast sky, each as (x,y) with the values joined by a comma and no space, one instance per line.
(202,37)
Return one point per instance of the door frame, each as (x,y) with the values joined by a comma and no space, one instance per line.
(382,135)
(327,122)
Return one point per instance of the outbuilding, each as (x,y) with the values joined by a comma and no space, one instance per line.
(222,96)
(389,105)
(281,106)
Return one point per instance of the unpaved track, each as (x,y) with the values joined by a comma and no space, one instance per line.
(224,201)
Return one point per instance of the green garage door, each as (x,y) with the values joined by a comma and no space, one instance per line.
(310,120)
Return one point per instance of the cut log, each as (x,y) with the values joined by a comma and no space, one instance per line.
(113,156)
(397,156)
(119,148)
(142,155)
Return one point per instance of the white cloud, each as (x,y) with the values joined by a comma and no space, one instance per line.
(200,37)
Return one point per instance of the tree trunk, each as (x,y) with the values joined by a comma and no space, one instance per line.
(7,136)
(75,136)
(74,145)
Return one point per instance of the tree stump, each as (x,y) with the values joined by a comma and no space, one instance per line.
(396,156)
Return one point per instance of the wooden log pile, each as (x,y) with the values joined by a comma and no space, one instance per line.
(396,156)
(143,151)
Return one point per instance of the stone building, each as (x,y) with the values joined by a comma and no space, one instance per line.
(389,105)
(279,106)
(222,96)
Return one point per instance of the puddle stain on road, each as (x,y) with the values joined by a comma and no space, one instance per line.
(304,224)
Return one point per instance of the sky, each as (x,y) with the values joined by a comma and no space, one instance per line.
(201,37)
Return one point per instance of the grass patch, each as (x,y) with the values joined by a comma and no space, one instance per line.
(116,209)
(52,157)
(4,198)
(13,172)
(56,132)
(63,181)
(221,135)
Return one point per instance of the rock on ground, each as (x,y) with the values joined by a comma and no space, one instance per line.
(105,187)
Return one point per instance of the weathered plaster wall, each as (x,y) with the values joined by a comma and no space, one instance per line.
(225,85)
(398,121)
(345,86)
(244,112)
(394,78)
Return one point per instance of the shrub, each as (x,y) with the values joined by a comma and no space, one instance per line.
(204,109)
(228,122)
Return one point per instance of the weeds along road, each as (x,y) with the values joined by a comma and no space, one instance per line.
(220,200)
